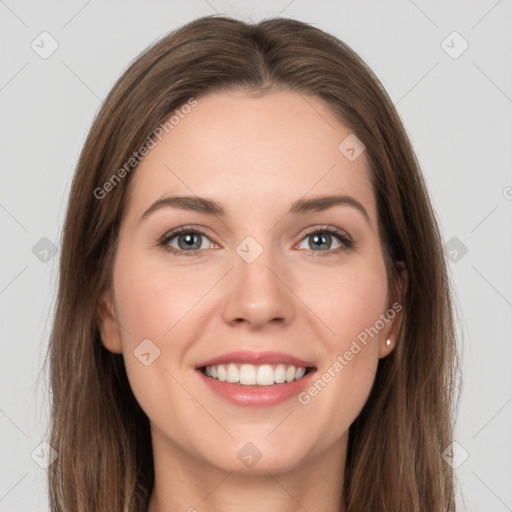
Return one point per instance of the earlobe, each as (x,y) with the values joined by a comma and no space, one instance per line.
(386,347)
(107,323)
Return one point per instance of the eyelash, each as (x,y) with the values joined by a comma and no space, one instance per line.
(345,240)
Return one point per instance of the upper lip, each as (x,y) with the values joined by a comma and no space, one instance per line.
(256,358)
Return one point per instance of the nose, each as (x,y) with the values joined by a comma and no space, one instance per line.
(258,293)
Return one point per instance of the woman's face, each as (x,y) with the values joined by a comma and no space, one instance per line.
(265,282)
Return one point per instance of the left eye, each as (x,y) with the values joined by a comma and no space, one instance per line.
(189,241)
(322,240)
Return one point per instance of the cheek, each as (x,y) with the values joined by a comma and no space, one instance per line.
(350,303)
(156,301)
(150,302)
(153,297)
(347,301)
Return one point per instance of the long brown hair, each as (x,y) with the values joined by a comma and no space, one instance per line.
(101,435)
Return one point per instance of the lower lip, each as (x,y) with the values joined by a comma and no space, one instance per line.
(257,396)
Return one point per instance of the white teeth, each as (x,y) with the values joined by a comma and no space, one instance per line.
(221,373)
(290,374)
(233,375)
(280,374)
(299,373)
(250,375)
(265,375)
(247,375)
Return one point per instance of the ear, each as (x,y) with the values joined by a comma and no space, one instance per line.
(107,323)
(395,311)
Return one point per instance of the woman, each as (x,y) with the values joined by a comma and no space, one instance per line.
(254,309)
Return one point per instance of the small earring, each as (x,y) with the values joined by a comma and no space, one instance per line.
(388,342)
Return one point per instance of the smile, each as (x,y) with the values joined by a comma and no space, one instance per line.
(256,379)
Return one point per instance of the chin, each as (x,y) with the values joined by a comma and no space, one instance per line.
(257,457)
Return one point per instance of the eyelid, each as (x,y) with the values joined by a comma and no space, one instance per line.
(327,228)
(186,228)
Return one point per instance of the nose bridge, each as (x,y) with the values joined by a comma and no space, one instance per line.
(256,295)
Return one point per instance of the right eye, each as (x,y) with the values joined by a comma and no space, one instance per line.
(185,241)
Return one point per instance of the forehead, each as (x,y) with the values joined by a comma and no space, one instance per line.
(261,151)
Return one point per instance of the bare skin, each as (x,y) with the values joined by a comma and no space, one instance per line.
(255,156)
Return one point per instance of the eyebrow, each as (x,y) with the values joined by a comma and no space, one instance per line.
(211,207)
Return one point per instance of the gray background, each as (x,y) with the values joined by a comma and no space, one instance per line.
(456,109)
